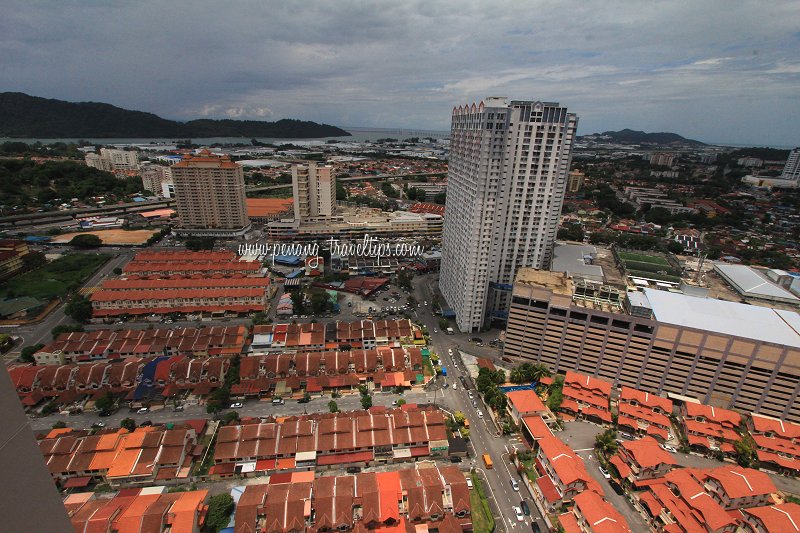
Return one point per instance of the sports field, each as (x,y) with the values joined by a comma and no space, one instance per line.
(643,258)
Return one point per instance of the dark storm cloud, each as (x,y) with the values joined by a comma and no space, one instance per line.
(716,70)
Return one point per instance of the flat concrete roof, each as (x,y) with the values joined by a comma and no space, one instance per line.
(750,282)
(729,318)
(555,281)
(570,258)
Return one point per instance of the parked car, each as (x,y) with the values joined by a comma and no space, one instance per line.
(519,515)
(178,409)
(525,509)
(98,425)
(237,405)
(605,473)
(469,483)
(143,410)
(146,423)
(277,401)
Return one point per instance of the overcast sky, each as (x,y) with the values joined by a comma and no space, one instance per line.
(717,71)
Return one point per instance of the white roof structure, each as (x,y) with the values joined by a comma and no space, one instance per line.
(729,318)
(749,282)
(572,259)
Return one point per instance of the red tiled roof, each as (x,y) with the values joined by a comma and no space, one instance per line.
(779,518)
(600,515)
(623,469)
(548,489)
(647,453)
(526,401)
(343,458)
(738,482)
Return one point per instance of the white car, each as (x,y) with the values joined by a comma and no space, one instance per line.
(143,410)
(237,405)
(469,483)
(455,386)
(515,485)
(450,351)
(604,472)
(519,515)
(480,414)
(435,330)
(469,393)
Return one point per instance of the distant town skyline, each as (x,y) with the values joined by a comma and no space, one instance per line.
(712,71)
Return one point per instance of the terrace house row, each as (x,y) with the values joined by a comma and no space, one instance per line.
(424,498)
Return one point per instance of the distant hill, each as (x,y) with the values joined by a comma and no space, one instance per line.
(26,116)
(628,136)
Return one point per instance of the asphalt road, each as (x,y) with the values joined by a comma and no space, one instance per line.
(484,436)
(349,402)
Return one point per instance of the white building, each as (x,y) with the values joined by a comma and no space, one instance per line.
(314,189)
(158,180)
(505,186)
(111,159)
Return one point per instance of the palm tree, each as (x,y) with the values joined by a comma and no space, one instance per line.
(539,371)
(606,442)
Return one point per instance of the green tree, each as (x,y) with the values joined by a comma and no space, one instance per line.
(366,402)
(105,402)
(401,402)
(195,244)
(444,324)
(86,240)
(319,301)
(298,302)
(440,198)
(128,423)
(259,318)
(459,418)
(5,342)
(674,247)
(333,407)
(59,424)
(606,442)
(219,512)
(65,328)
(26,354)
(231,417)
(746,454)
(79,308)
(117,271)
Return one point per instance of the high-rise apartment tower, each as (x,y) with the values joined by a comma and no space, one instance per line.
(210,196)
(791,171)
(505,185)
(314,189)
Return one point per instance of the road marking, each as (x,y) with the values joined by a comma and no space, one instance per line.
(585,450)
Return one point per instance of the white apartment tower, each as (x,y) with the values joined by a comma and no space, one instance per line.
(314,189)
(791,171)
(507,176)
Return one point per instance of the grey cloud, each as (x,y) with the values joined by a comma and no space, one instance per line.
(716,70)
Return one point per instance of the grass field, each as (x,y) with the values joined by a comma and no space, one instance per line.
(653,275)
(642,258)
(55,279)
(482,519)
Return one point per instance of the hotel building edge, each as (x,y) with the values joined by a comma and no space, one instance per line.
(742,371)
